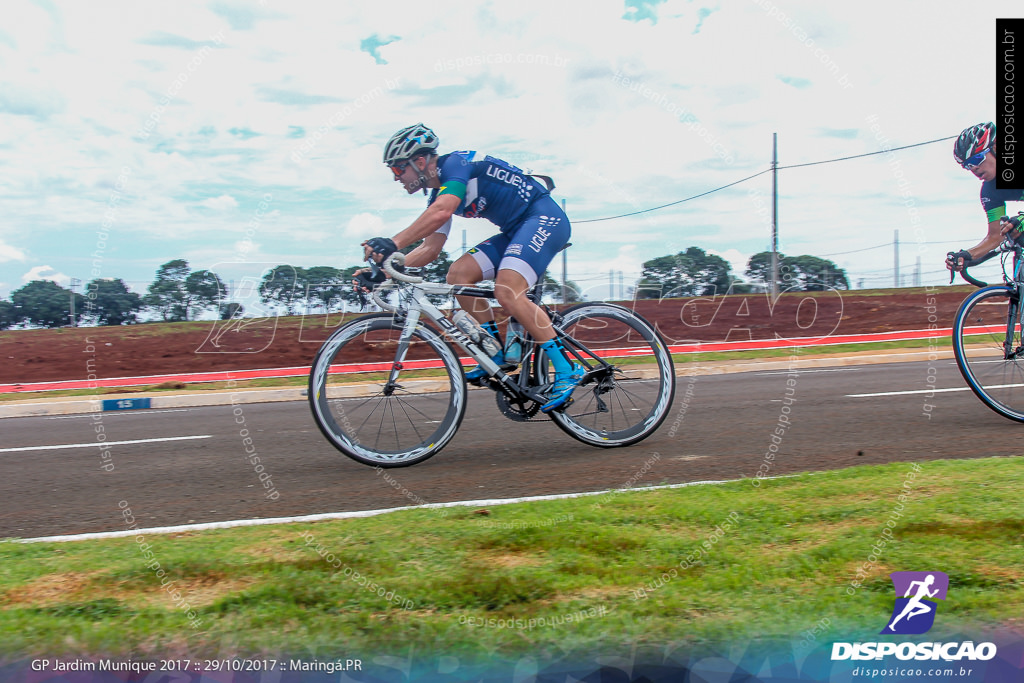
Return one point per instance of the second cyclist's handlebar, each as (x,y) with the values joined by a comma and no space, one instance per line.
(1014,238)
(974,262)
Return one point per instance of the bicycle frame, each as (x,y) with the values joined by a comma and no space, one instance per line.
(419,305)
(515,386)
(389,424)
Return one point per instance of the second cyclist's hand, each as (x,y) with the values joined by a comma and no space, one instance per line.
(957,261)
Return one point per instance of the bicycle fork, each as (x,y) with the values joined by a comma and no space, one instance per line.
(412,319)
(1013,323)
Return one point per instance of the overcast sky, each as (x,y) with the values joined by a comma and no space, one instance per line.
(240,135)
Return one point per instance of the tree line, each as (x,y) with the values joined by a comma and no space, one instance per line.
(178,293)
(694,272)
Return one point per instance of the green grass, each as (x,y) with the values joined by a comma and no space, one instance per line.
(688,566)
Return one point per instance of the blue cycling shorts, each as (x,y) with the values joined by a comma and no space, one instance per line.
(528,247)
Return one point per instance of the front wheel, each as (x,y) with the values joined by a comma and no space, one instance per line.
(626,398)
(405,403)
(987,346)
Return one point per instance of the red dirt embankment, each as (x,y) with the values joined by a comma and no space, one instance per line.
(157,348)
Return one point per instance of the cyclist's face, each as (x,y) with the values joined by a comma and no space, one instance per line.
(986,170)
(408,174)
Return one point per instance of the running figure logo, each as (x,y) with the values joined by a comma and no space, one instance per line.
(914,612)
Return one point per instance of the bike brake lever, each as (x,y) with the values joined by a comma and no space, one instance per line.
(374,266)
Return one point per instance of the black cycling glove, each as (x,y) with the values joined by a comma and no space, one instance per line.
(366,280)
(953,258)
(385,246)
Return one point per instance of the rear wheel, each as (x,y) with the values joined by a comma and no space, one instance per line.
(404,405)
(625,399)
(987,354)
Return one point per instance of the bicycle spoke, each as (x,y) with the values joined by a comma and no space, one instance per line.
(997,380)
(403,425)
(620,409)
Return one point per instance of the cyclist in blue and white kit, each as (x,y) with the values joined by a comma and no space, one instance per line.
(533,229)
(975,150)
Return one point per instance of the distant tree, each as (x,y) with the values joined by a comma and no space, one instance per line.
(45,303)
(803,273)
(814,274)
(738,286)
(284,285)
(325,286)
(759,266)
(231,310)
(110,303)
(9,316)
(167,295)
(553,287)
(203,291)
(693,272)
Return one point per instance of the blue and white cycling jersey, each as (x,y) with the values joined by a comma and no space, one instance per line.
(488,187)
(533,227)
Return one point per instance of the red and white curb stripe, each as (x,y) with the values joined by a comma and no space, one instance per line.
(693,347)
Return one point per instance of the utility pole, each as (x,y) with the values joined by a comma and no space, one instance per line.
(622,287)
(896,258)
(74,285)
(611,285)
(775,216)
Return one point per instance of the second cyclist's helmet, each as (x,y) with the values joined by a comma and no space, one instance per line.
(407,142)
(973,140)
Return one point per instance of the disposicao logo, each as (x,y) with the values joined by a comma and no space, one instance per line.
(916,593)
(914,614)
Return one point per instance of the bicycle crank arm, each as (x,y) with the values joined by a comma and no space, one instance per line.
(507,385)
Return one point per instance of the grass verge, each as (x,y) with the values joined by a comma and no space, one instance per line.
(686,566)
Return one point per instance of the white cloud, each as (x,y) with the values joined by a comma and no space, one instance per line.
(46,273)
(221,203)
(531,80)
(10,253)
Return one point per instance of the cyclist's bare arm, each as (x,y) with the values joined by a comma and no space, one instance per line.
(991,241)
(435,215)
(427,252)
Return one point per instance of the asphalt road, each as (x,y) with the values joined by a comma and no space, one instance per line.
(720,428)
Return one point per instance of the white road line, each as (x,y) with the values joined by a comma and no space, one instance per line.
(922,391)
(361,513)
(101,444)
(800,371)
(110,413)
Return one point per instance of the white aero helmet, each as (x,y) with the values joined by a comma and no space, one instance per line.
(407,142)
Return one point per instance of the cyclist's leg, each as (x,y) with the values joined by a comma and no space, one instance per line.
(475,265)
(533,246)
(479,263)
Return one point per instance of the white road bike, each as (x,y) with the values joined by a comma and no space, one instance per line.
(410,396)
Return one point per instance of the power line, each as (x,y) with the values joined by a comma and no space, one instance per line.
(702,194)
(868,154)
(855,251)
(743,180)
